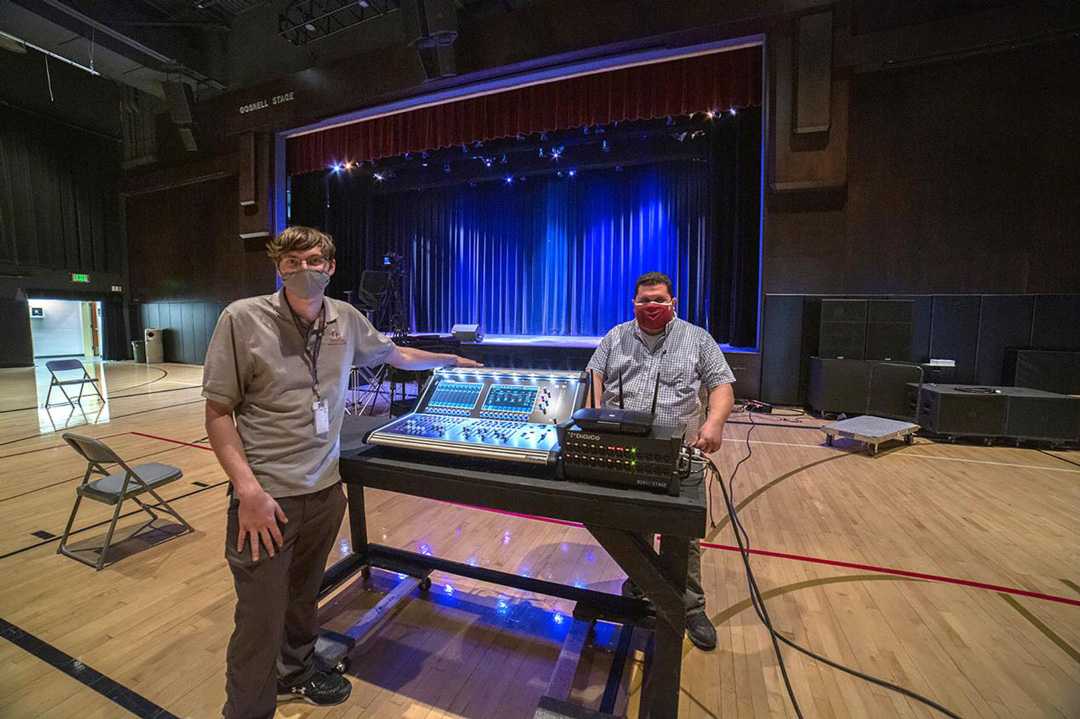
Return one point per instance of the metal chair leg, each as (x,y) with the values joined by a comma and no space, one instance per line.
(48,395)
(166,507)
(109,535)
(70,522)
(66,395)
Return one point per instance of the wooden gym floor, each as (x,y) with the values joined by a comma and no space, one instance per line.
(952,570)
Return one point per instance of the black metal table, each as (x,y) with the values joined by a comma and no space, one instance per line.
(617,518)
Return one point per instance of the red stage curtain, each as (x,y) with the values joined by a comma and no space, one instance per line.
(709,82)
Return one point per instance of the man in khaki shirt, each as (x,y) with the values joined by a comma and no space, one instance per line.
(274,381)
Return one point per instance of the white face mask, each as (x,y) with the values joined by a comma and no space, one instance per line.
(306,284)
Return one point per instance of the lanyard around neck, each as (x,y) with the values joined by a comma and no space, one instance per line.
(311,356)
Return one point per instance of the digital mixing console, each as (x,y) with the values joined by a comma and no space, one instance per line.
(498,414)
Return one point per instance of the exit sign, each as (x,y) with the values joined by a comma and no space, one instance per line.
(79,277)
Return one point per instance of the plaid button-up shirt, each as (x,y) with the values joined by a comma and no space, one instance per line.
(687,359)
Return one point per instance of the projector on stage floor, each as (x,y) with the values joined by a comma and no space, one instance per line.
(467,333)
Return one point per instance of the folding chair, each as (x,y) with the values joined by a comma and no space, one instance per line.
(65,365)
(114,488)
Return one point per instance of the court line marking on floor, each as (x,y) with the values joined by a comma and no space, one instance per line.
(1045,630)
(173,441)
(109,688)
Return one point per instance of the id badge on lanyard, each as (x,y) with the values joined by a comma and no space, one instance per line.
(319,410)
(322,416)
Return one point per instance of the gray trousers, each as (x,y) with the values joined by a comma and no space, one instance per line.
(276,603)
(694,597)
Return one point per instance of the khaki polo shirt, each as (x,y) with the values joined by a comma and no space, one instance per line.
(255,366)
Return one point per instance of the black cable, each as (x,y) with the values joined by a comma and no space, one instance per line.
(1067,461)
(757,599)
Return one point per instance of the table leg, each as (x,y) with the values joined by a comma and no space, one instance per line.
(354,493)
(663,580)
(663,695)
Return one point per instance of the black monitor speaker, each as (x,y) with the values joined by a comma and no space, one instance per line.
(1037,415)
(960,410)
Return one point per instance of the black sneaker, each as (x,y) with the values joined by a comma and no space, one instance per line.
(629,589)
(701,631)
(322,689)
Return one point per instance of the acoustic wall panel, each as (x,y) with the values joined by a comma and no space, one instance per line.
(781,344)
(955,333)
(1056,323)
(1005,321)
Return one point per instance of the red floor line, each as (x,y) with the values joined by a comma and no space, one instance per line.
(902,573)
(829,562)
(173,441)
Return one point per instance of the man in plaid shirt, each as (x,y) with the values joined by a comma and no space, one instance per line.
(690,365)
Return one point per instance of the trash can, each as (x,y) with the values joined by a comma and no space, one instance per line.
(155,345)
(138,350)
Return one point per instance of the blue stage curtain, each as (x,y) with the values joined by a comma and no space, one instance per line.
(550,256)
(559,255)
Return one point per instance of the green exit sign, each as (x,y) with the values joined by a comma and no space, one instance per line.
(79,277)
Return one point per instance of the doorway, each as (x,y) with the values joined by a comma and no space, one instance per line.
(65,328)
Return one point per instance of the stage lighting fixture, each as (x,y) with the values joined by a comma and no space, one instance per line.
(710,114)
(572,173)
(446,168)
(508,180)
(309,27)
(556,153)
(379,177)
(605,147)
(732,111)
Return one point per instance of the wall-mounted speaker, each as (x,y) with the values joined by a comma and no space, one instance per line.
(432,27)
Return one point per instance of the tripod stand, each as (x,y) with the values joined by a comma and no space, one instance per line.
(390,315)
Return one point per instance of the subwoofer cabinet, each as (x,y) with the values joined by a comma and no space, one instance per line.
(997,412)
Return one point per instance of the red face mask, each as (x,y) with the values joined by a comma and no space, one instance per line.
(653,317)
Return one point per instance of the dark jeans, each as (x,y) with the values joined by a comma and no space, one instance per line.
(276,603)
(694,597)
